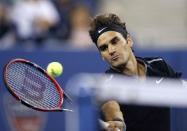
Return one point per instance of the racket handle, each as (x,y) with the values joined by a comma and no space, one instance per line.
(105,125)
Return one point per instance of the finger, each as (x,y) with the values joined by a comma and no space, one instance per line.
(103,124)
(113,129)
(117,129)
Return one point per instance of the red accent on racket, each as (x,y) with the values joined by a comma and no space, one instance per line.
(33,87)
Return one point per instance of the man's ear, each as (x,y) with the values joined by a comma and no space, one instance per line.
(129,40)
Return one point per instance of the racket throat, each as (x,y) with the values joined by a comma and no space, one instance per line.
(64,109)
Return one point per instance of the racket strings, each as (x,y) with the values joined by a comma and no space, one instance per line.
(32,86)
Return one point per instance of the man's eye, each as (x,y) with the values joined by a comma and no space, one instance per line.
(115,41)
(103,48)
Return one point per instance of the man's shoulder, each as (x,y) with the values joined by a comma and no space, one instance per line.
(152,60)
(159,65)
(156,62)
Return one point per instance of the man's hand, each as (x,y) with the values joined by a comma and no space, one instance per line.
(111,111)
(116,126)
(113,125)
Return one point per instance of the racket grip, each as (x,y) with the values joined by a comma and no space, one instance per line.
(105,125)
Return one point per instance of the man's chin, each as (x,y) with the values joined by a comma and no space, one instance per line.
(115,65)
(119,66)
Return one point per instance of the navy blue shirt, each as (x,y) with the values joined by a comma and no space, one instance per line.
(147,118)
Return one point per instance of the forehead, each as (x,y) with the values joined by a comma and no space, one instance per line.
(107,36)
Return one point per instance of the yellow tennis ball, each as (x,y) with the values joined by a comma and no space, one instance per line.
(54,69)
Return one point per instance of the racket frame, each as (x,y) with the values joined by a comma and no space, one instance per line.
(57,86)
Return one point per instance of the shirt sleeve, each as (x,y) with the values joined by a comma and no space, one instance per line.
(170,71)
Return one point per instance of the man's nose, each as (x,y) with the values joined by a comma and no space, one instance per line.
(111,49)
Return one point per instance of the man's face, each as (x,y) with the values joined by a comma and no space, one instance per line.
(114,48)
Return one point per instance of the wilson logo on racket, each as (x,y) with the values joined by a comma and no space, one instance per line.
(33,87)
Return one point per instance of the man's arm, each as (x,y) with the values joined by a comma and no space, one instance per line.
(111,111)
(113,115)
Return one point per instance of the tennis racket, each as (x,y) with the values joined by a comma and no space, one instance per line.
(33,87)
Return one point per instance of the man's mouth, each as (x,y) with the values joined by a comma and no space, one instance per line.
(115,57)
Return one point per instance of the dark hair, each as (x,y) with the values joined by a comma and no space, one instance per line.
(106,20)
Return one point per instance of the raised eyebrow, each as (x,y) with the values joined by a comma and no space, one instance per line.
(110,41)
(113,39)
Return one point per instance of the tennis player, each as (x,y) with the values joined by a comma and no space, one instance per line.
(114,43)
